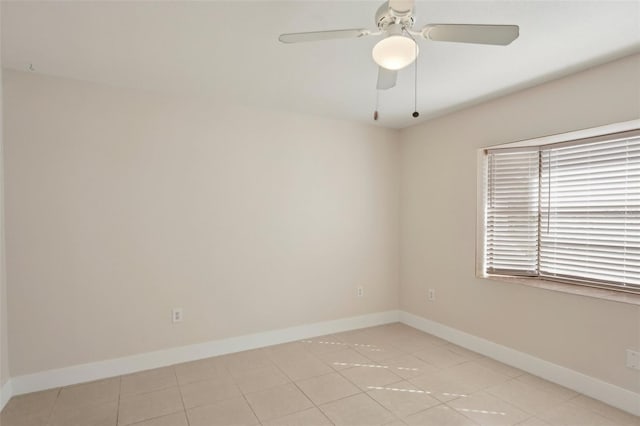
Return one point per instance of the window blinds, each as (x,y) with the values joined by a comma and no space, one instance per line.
(511,246)
(567,212)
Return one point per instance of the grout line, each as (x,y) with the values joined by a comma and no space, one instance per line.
(251,408)
(184,407)
(55,403)
(440,403)
(119,396)
(458,412)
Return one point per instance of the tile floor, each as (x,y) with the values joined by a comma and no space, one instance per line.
(388,375)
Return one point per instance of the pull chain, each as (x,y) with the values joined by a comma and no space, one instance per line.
(375,113)
(415,114)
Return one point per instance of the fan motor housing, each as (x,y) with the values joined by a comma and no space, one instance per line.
(386,16)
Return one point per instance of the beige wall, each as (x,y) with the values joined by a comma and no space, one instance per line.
(124,204)
(4,355)
(438,216)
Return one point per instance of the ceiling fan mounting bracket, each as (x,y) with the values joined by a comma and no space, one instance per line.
(386,17)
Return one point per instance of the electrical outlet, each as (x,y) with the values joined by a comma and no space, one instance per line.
(360,291)
(431,295)
(633,359)
(176,315)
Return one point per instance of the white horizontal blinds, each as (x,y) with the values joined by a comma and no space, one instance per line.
(511,243)
(590,213)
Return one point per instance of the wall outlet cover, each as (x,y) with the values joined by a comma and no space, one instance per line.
(176,315)
(633,359)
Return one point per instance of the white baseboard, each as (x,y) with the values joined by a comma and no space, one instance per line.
(606,392)
(613,395)
(6,392)
(131,364)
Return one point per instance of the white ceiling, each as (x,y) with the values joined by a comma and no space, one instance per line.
(228,50)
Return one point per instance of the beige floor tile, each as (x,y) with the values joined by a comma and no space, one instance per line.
(438,384)
(36,404)
(371,343)
(310,417)
(200,370)
(488,410)
(380,353)
(97,392)
(257,379)
(287,352)
(534,421)
(441,357)
(440,415)
(354,337)
(218,363)
(620,417)
(175,419)
(408,366)
(373,375)
(500,367)
(567,414)
(469,354)
(357,410)
(208,392)
(390,332)
(327,388)
(278,402)
(139,407)
(247,360)
(382,341)
(344,358)
(148,381)
(434,340)
(403,398)
(304,367)
(529,395)
(397,422)
(413,345)
(103,414)
(22,419)
(324,344)
(552,388)
(230,412)
(475,376)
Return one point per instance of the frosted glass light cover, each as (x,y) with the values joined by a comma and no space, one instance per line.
(395,52)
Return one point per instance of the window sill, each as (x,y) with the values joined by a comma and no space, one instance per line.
(598,293)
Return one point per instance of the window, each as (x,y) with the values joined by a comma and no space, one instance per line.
(565,211)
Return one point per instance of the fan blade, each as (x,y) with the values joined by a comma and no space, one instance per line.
(322,35)
(386,78)
(466,33)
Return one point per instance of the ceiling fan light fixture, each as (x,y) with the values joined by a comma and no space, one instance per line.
(395,52)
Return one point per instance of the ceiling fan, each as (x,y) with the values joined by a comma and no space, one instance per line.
(399,48)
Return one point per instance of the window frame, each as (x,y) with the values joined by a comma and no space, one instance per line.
(573,286)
